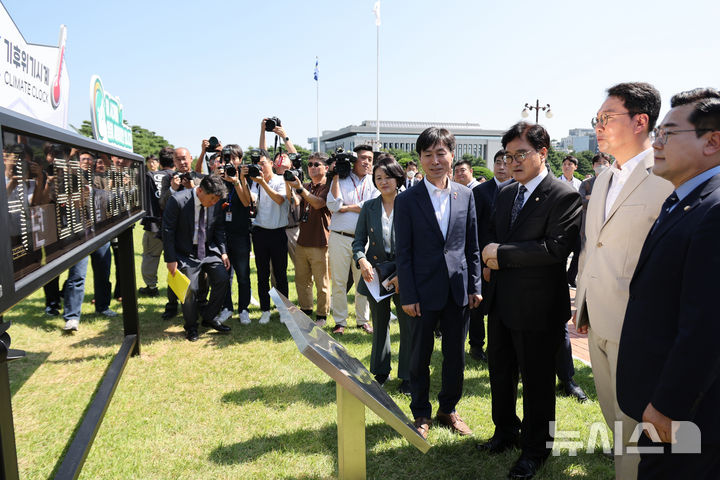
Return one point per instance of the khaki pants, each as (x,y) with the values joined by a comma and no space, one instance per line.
(152,249)
(312,263)
(604,357)
(341,261)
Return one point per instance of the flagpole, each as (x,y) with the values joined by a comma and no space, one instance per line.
(317,112)
(377,94)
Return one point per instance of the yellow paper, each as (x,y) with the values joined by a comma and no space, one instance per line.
(179,284)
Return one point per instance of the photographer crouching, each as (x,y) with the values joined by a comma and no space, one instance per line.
(268,231)
(350,188)
(311,254)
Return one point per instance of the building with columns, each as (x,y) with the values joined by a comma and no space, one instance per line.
(400,135)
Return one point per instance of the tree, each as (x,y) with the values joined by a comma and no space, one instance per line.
(145,142)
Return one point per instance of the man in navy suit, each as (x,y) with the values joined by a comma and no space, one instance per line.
(438,265)
(194,242)
(669,362)
(485,194)
(534,226)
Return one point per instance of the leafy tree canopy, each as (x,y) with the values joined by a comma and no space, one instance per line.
(145,142)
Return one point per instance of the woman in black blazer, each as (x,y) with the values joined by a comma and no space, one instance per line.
(375,229)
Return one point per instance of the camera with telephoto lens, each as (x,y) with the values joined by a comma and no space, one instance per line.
(214,144)
(343,162)
(271,123)
(228,166)
(296,171)
(253,169)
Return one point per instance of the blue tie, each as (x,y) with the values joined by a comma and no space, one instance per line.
(517,206)
(665,210)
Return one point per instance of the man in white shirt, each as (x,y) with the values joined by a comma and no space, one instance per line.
(625,201)
(463,174)
(569,165)
(268,232)
(345,200)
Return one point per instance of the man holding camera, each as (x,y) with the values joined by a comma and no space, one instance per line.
(268,233)
(237,224)
(351,186)
(283,162)
(311,260)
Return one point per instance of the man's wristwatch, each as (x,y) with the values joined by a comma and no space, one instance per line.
(299,191)
(287,139)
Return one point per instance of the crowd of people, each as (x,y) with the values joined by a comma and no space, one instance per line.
(642,234)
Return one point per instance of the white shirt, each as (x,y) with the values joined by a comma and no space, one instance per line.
(440,198)
(473,183)
(501,184)
(532,184)
(198,206)
(387,224)
(619,177)
(353,191)
(573,182)
(270,215)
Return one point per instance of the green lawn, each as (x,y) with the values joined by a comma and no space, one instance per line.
(243,405)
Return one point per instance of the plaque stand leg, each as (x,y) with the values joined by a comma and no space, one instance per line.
(351,435)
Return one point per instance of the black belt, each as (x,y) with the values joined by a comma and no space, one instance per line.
(344,234)
(291,226)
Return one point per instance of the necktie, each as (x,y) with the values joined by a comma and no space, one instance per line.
(517,206)
(201,234)
(665,210)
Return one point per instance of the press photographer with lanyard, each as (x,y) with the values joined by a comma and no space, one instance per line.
(375,229)
(350,188)
(237,225)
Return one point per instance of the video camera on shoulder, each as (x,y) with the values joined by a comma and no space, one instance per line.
(296,171)
(344,162)
(271,123)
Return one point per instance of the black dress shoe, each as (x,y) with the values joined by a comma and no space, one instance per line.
(381,379)
(496,445)
(216,326)
(478,354)
(525,468)
(191,335)
(572,389)
(404,387)
(169,313)
(149,291)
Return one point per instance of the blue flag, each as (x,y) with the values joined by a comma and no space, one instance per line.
(316,72)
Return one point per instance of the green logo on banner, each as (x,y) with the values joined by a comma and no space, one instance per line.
(106,113)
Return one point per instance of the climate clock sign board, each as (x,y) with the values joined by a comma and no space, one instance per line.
(33,78)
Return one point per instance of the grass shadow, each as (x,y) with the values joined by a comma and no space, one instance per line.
(282,396)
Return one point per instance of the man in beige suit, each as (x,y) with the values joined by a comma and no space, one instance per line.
(626,200)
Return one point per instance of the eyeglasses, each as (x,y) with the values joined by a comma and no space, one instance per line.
(518,157)
(316,164)
(661,134)
(602,119)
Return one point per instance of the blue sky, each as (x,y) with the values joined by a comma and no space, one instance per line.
(188,70)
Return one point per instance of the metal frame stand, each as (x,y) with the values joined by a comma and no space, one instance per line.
(8,452)
(351,435)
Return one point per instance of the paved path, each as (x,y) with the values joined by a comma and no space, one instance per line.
(579,342)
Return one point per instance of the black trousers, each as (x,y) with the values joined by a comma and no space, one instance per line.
(530,353)
(573,268)
(453,321)
(270,246)
(238,248)
(564,367)
(476,332)
(672,466)
(219,282)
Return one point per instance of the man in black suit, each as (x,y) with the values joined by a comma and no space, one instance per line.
(438,265)
(485,194)
(669,363)
(410,171)
(194,243)
(535,223)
